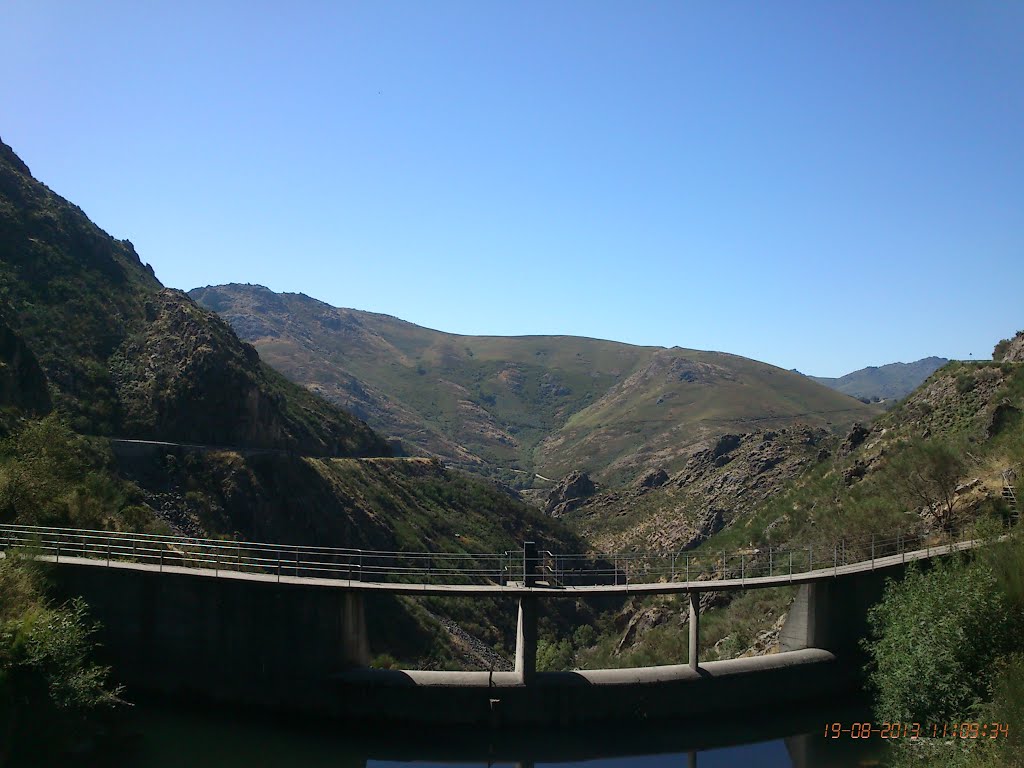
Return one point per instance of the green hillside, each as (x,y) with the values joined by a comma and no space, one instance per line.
(545,404)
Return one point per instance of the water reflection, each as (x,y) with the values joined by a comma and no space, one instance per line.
(162,736)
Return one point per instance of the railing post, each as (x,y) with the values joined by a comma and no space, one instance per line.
(770,563)
(687,568)
(791,565)
(742,568)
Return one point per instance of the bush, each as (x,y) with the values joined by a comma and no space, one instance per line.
(937,639)
(51,694)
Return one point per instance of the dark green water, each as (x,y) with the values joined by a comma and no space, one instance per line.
(165,736)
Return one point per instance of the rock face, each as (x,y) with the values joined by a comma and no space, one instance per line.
(717,484)
(570,493)
(1011,350)
(187,378)
(858,434)
(654,478)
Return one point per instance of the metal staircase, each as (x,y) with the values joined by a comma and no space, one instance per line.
(1009,492)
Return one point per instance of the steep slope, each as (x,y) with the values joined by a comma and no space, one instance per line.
(123,356)
(682,400)
(543,404)
(886,383)
(90,339)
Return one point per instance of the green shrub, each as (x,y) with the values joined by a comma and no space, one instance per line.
(937,638)
(51,694)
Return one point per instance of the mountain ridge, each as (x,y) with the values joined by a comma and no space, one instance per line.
(535,403)
(883,383)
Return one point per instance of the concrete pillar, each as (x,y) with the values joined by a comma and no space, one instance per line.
(355,643)
(807,623)
(526,640)
(694,629)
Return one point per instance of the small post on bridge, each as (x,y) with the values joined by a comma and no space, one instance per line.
(531,561)
(694,629)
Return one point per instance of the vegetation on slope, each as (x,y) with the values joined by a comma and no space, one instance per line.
(948,647)
(52,696)
(124,357)
(546,404)
(931,465)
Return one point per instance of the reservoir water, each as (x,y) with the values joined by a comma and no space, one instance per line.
(160,735)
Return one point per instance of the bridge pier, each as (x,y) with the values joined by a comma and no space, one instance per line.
(355,641)
(526,640)
(694,599)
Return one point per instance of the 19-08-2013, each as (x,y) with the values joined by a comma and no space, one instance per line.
(964,730)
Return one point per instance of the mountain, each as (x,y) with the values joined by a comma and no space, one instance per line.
(513,406)
(886,383)
(93,347)
(124,356)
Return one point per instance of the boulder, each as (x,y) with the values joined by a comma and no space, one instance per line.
(573,489)
(858,434)
(654,478)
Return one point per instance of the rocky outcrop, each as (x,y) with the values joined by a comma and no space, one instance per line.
(717,483)
(1010,350)
(570,493)
(857,435)
(654,478)
(187,378)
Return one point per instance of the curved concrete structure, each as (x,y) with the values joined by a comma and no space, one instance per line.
(301,642)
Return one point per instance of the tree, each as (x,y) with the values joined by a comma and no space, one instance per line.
(928,473)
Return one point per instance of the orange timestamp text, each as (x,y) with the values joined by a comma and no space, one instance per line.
(965,730)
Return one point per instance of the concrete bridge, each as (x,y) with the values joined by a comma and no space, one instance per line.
(286,626)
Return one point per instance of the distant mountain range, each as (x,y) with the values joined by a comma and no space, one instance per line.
(884,383)
(512,406)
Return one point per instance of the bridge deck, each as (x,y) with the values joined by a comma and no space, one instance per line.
(516,589)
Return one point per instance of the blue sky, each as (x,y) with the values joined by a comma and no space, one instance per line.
(818,185)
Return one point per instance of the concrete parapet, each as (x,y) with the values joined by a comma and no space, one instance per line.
(221,639)
(759,683)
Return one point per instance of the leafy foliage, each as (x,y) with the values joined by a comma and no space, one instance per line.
(928,473)
(50,475)
(51,693)
(938,636)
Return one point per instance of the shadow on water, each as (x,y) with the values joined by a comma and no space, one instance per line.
(162,735)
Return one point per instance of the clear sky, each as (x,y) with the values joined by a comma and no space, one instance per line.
(818,185)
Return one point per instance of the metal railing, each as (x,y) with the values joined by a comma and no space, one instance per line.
(460,568)
(278,560)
